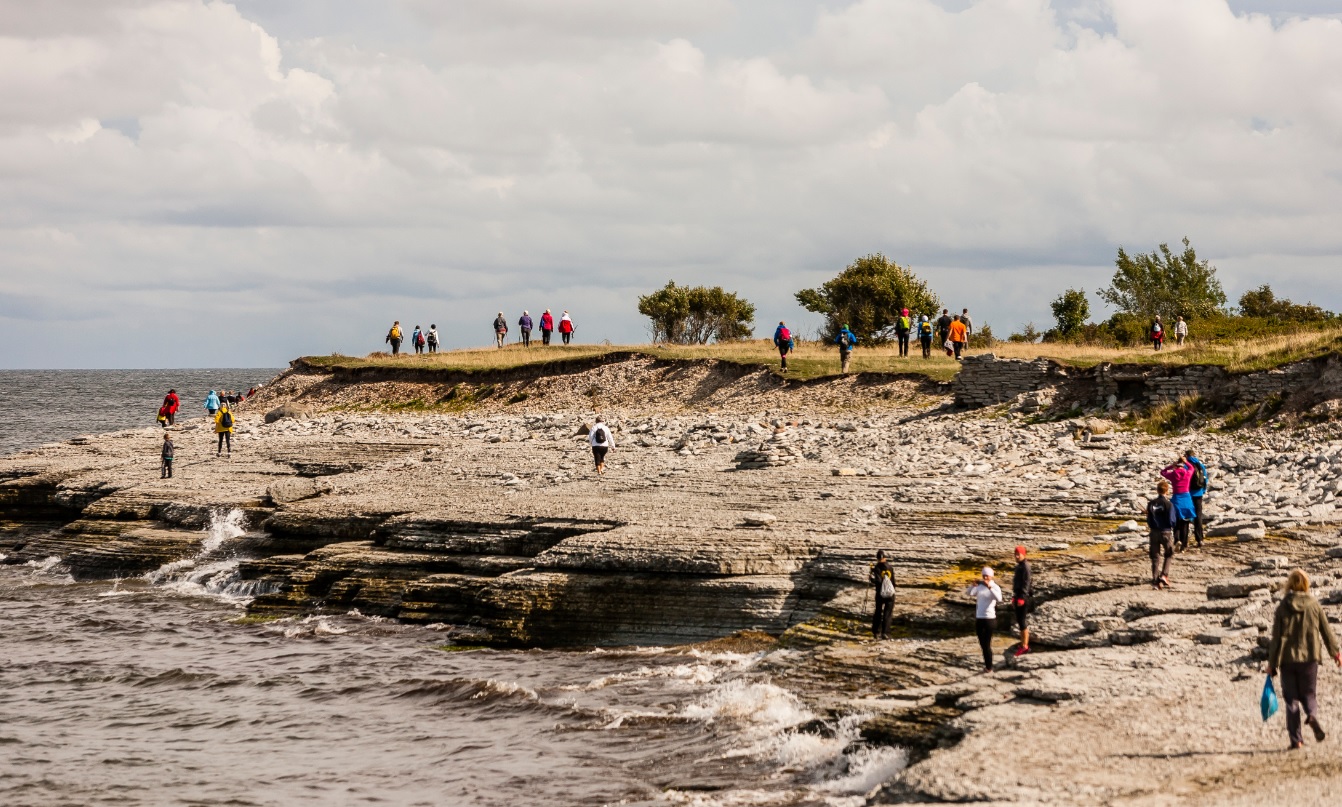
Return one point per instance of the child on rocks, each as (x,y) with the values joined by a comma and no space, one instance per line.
(165,470)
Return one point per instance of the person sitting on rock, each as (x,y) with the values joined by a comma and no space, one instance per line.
(1296,650)
(1160,525)
(987,595)
(882,577)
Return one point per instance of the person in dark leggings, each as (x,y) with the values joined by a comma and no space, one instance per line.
(987,596)
(1160,520)
(885,606)
(1022,590)
(1197,491)
(223,426)
(1300,631)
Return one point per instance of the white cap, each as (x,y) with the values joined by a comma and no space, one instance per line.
(987,571)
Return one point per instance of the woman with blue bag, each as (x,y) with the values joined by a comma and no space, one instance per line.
(1300,631)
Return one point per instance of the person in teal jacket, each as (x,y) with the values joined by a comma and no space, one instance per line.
(1197,492)
(845,340)
(212,402)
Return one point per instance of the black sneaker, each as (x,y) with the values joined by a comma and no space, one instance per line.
(1319,734)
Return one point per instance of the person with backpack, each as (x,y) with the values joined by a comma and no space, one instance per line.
(547,326)
(171,403)
(1157,333)
(1300,631)
(223,426)
(959,336)
(418,340)
(969,324)
(566,327)
(1180,475)
(212,403)
(783,341)
(1197,489)
(500,330)
(882,577)
(903,327)
(432,338)
(845,340)
(524,325)
(601,440)
(394,338)
(1022,593)
(944,327)
(1160,522)
(987,595)
(925,336)
(166,455)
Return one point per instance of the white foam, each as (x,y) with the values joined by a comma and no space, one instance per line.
(757,703)
(205,575)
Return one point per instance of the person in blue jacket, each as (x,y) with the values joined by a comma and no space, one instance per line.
(212,403)
(845,340)
(784,342)
(1203,476)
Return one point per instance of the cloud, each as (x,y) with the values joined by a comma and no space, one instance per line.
(175,163)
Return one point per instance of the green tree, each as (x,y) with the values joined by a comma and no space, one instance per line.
(868,296)
(1162,282)
(1263,303)
(696,315)
(1071,309)
(1028,334)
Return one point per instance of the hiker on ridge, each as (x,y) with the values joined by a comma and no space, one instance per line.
(417,339)
(903,326)
(524,326)
(1296,650)
(969,324)
(566,327)
(1180,474)
(547,326)
(432,338)
(987,595)
(1180,331)
(882,577)
(944,327)
(394,338)
(845,340)
(1160,520)
(959,336)
(1197,488)
(925,337)
(500,330)
(783,341)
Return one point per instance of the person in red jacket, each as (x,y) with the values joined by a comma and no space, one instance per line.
(565,328)
(170,404)
(547,326)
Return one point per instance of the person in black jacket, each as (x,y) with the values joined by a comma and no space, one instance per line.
(1160,520)
(885,606)
(1022,589)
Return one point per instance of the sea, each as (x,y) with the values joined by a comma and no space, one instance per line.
(158,690)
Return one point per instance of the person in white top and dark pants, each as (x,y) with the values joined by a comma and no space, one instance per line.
(987,595)
(601,441)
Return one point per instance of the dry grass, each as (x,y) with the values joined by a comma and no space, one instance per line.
(814,360)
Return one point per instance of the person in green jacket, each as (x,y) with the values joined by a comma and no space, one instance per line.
(1299,632)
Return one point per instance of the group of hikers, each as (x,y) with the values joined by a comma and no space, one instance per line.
(429,341)
(217,407)
(951,331)
(1157,332)
(1301,637)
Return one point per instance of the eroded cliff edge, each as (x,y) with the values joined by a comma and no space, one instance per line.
(738,502)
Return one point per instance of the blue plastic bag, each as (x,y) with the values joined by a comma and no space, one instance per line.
(1268,703)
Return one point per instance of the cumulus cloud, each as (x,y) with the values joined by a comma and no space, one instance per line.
(204,190)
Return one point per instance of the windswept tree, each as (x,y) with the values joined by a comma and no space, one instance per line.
(868,296)
(1162,282)
(696,315)
(1071,309)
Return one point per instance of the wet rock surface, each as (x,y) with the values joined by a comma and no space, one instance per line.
(764,515)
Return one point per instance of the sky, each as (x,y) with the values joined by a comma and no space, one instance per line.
(211,184)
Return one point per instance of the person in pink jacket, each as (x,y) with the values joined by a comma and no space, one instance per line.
(1180,475)
(547,326)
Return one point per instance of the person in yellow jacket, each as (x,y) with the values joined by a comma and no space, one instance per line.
(223,426)
(394,337)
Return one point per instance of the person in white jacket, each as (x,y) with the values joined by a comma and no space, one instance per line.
(987,595)
(601,441)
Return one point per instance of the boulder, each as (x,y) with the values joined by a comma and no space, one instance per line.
(1128,526)
(758,519)
(287,410)
(1251,534)
(1230,589)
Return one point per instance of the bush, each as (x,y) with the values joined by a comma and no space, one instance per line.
(1027,334)
(982,338)
(695,315)
(868,296)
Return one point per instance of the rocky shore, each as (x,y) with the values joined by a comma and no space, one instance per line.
(737,502)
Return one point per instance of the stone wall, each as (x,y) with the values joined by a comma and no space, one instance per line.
(985,380)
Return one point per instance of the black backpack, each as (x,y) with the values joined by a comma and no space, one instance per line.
(599,435)
(1199,478)
(226,420)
